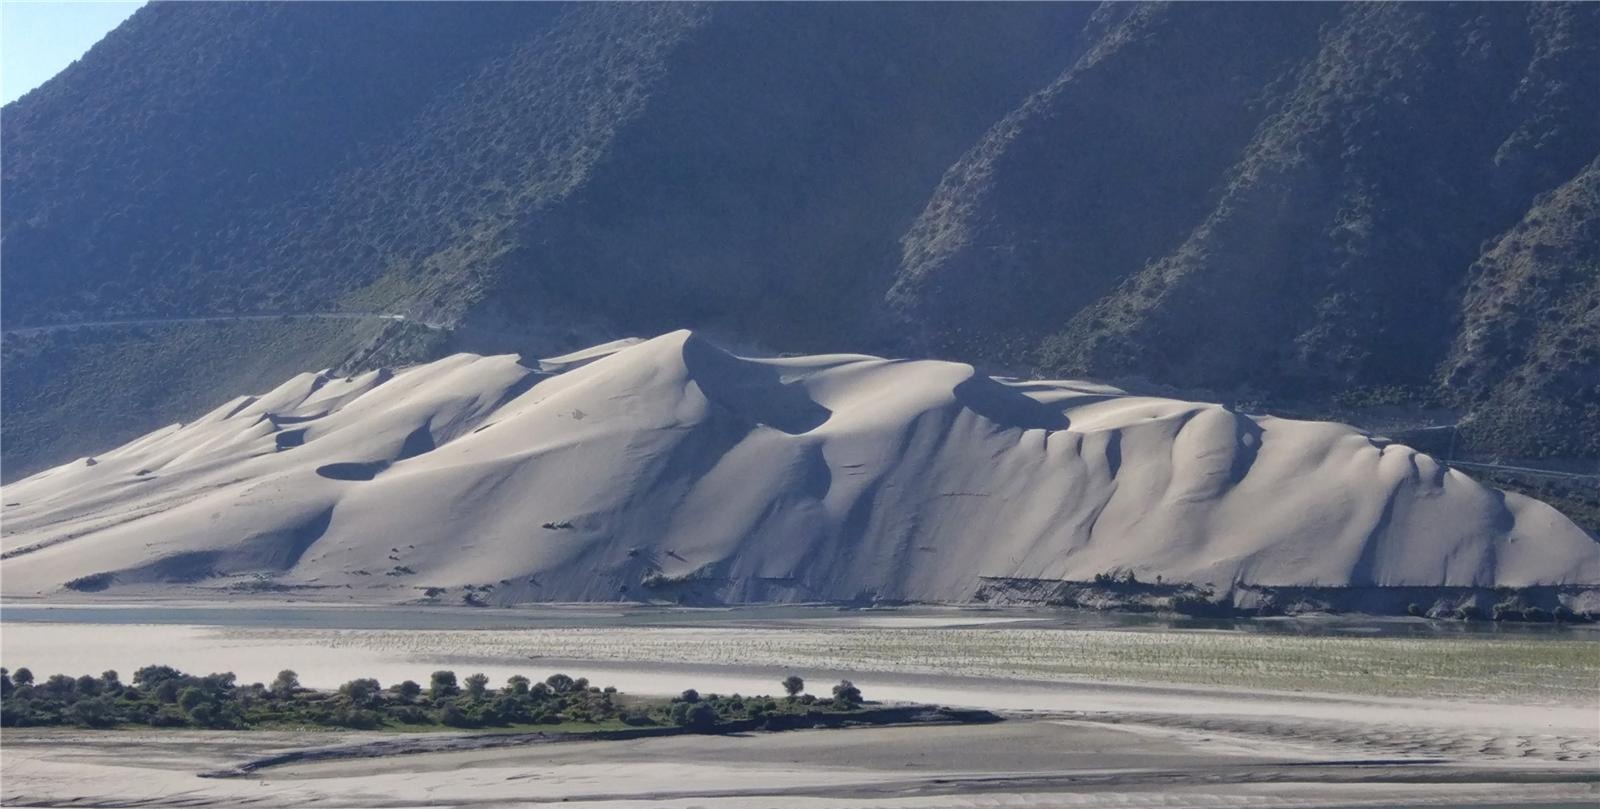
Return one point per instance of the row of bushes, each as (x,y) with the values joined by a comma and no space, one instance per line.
(162,696)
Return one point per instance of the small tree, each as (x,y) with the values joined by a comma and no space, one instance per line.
(408,691)
(60,685)
(477,685)
(846,694)
(517,684)
(701,716)
(362,692)
(92,713)
(285,684)
(191,698)
(690,696)
(22,676)
(443,684)
(793,685)
(453,716)
(559,683)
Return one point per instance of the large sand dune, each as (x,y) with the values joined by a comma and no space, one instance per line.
(653,469)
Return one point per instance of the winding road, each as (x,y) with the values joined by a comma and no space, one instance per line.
(162,321)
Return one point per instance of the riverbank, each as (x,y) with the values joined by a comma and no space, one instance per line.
(1279,712)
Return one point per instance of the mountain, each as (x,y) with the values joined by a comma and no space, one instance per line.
(1323,191)
(1337,210)
(529,175)
(670,469)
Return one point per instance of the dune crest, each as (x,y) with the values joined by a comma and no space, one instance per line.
(648,469)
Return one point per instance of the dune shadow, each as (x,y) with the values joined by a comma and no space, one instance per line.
(1002,404)
(751,389)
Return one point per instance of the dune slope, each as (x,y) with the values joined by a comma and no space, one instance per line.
(644,470)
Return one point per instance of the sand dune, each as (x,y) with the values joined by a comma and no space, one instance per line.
(669,468)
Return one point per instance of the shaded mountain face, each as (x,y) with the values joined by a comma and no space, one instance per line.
(530,176)
(1327,197)
(671,469)
(1274,202)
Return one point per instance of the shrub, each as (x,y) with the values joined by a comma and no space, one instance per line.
(410,715)
(702,716)
(637,719)
(690,696)
(356,718)
(846,694)
(477,685)
(442,684)
(92,713)
(362,692)
(191,698)
(283,686)
(452,716)
(151,676)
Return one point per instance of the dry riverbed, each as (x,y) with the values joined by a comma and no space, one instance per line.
(1156,717)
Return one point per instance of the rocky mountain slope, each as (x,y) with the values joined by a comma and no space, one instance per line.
(530,174)
(1302,206)
(673,470)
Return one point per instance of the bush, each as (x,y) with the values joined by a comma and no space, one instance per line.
(690,696)
(362,693)
(702,716)
(283,687)
(452,716)
(846,694)
(356,718)
(637,719)
(442,684)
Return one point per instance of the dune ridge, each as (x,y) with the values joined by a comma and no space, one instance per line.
(665,468)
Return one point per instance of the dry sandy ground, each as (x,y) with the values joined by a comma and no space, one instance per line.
(1026,763)
(1069,742)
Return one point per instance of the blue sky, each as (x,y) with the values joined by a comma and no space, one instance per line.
(38,38)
